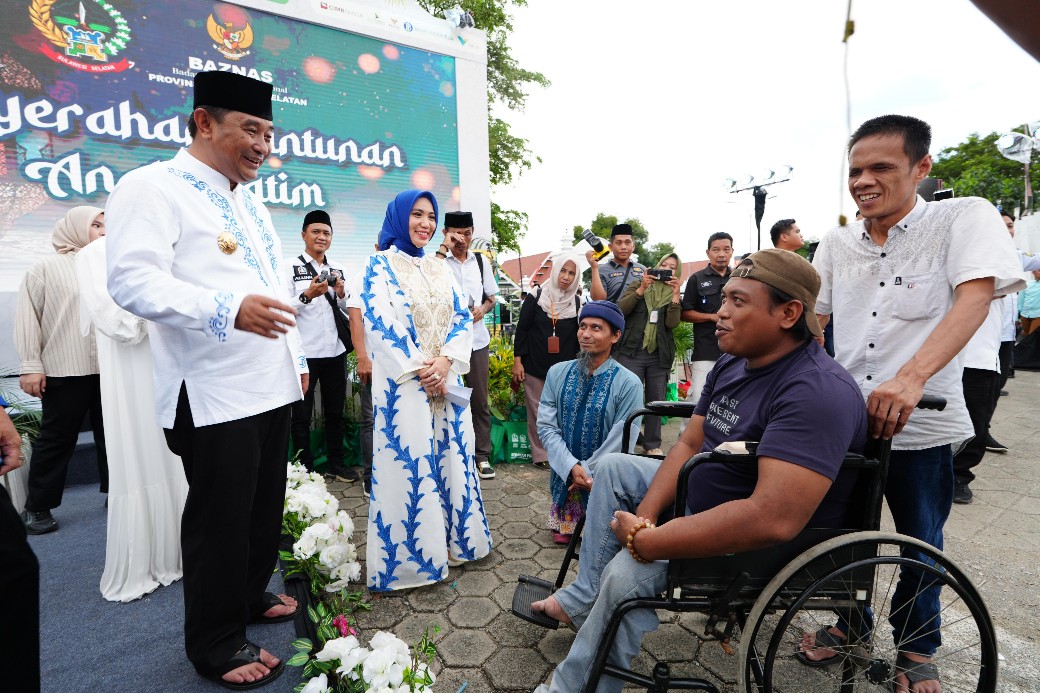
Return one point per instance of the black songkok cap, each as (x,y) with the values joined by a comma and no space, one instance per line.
(316,216)
(458,220)
(621,230)
(234,92)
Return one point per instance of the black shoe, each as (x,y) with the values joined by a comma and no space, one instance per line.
(39,522)
(1004,393)
(368,488)
(962,494)
(341,472)
(993,446)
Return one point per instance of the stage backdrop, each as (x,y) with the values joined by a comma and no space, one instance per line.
(90,90)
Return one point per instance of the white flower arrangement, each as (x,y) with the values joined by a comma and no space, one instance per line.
(385,666)
(322,549)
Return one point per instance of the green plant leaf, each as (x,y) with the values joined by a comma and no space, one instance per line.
(302,645)
(298,659)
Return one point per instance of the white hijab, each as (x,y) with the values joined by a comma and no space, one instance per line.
(557,302)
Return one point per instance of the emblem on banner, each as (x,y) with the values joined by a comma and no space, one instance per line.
(233,36)
(90,40)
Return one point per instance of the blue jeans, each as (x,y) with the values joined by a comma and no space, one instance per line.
(920,495)
(608,576)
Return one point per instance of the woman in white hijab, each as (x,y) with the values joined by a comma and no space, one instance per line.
(147,486)
(547,334)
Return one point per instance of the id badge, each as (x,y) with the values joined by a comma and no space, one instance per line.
(653,317)
(554,344)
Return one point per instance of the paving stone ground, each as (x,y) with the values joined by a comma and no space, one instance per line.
(996,540)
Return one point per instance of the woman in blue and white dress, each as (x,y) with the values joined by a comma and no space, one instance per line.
(426,511)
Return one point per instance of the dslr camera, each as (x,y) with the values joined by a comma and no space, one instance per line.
(661,275)
(330,278)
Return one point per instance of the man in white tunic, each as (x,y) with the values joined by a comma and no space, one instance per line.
(193,251)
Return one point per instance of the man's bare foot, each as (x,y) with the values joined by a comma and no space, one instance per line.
(287,607)
(902,683)
(813,653)
(550,607)
(248,673)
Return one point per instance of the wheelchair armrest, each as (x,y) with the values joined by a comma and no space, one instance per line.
(682,485)
(665,408)
(657,408)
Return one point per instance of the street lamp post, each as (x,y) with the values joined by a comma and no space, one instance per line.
(757,185)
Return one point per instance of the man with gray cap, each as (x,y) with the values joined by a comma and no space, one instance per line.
(317,289)
(194,252)
(773,384)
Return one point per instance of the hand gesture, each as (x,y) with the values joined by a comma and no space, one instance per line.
(674,283)
(434,378)
(580,478)
(317,288)
(622,523)
(341,289)
(477,312)
(591,257)
(890,405)
(33,384)
(264,316)
(518,372)
(10,445)
(364,367)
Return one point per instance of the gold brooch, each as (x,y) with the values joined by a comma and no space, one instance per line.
(227,243)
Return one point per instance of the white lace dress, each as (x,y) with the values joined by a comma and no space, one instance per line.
(426,501)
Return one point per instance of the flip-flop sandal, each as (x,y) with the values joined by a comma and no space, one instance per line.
(249,654)
(270,600)
(542,464)
(915,672)
(824,639)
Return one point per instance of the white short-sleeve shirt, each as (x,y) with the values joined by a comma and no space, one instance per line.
(886,300)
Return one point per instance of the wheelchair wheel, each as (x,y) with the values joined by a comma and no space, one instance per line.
(854,577)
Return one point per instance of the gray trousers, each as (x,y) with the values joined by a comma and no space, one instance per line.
(648,368)
(477,378)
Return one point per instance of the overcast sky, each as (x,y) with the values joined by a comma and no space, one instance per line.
(654,104)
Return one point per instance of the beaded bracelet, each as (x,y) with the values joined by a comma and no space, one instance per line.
(642,524)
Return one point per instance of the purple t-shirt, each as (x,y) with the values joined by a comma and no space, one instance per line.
(804,409)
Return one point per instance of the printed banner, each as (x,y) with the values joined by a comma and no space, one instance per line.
(91,90)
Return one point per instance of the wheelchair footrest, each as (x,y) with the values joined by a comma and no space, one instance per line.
(531,589)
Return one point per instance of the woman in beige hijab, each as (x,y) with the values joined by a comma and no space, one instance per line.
(59,365)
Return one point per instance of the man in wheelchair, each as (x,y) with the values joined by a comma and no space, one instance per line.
(775,385)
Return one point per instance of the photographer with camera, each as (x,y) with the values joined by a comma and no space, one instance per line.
(317,289)
(610,279)
(652,310)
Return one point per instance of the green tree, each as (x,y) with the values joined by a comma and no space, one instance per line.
(976,167)
(655,252)
(508,86)
(603,224)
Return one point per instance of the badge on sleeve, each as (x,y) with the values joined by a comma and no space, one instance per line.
(227,243)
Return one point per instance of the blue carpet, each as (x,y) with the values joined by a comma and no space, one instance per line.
(90,644)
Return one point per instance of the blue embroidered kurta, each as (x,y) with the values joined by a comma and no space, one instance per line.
(425,501)
(580,419)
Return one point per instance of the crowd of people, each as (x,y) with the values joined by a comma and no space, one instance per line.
(180,281)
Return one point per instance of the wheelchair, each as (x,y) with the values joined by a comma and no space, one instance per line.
(766,599)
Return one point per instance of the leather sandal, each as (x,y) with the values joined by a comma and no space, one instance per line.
(915,672)
(823,639)
(248,654)
(271,600)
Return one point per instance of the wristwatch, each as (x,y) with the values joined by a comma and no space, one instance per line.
(305,299)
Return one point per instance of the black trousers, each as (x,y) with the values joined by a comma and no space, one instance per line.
(981,388)
(1006,355)
(19,603)
(368,422)
(231,525)
(331,373)
(66,401)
